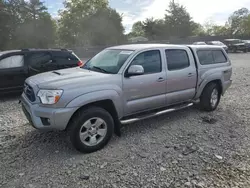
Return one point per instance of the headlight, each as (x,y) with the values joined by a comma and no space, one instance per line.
(49,96)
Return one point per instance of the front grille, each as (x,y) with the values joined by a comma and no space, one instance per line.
(29,92)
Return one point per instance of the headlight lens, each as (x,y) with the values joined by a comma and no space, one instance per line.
(49,96)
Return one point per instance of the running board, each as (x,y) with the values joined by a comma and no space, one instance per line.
(150,115)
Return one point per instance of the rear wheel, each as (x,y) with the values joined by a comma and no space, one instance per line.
(91,129)
(210,97)
(245,51)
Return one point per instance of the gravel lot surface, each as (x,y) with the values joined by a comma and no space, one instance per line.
(187,148)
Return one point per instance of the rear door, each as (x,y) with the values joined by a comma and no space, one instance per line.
(13,72)
(40,62)
(181,75)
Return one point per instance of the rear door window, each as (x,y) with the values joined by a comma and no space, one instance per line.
(177,59)
(38,59)
(14,61)
(62,57)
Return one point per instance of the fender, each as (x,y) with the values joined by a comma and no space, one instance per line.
(209,78)
(96,96)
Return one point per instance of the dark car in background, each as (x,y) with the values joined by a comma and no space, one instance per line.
(235,45)
(218,43)
(17,65)
(247,42)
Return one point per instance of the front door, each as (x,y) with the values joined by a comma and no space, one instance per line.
(12,72)
(181,75)
(147,91)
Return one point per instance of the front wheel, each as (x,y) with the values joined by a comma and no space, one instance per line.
(210,97)
(91,129)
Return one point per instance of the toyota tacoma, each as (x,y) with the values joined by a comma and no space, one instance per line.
(122,85)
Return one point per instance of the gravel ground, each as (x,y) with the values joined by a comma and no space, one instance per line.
(187,148)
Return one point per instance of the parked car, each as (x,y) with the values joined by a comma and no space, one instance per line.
(125,84)
(218,43)
(235,45)
(247,42)
(200,43)
(17,65)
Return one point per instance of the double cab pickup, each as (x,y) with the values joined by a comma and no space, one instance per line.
(125,84)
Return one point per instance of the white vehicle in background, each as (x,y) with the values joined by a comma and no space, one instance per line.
(218,43)
(200,43)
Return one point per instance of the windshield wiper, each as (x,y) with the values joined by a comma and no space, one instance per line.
(103,70)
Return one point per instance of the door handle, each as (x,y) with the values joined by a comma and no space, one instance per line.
(160,79)
(190,74)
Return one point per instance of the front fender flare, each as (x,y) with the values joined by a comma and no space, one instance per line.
(96,96)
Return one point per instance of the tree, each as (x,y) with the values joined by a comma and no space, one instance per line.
(178,20)
(25,24)
(10,18)
(197,29)
(154,29)
(137,29)
(238,21)
(38,28)
(246,24)
(88,22)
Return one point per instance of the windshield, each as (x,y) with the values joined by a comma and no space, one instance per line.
(108,61)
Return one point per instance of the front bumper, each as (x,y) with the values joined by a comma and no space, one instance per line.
(58,117)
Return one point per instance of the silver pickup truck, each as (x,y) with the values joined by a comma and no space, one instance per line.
(125,84)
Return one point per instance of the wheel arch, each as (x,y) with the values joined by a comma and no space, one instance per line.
(106,103)
(203,86)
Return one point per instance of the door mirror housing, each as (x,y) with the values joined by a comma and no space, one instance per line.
(135,70)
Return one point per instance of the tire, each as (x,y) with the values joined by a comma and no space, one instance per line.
(245,51)
(206,97)
(234,49)
(91,123)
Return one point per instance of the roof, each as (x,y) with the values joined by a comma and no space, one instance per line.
(47,49)
(205,46)
(9,51)
(147,46)
(33,50)
(143,46)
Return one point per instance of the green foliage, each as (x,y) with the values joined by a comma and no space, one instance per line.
(154,29)
(137,29)
(88,22)
(197,29)
(178,20)
(177,23)
(239,22)
(25,24)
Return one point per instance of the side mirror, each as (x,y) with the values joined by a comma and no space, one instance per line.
(135,70)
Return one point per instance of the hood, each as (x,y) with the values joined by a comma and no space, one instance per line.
(240,44)
(72,77)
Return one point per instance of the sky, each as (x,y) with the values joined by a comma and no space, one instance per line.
(138,10)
